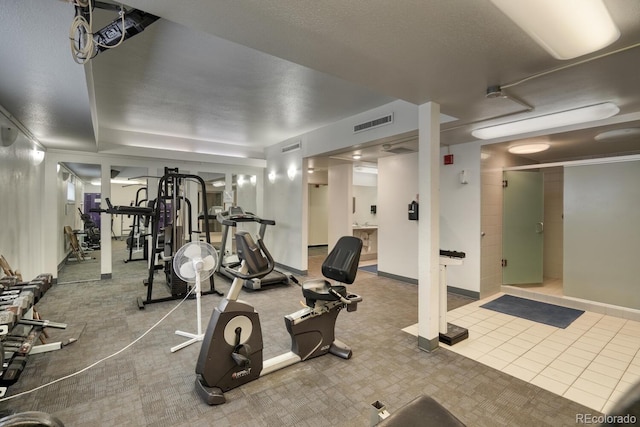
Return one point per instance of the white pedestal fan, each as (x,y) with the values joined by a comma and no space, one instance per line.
(193,263)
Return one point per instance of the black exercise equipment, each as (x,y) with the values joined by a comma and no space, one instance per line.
(421,411)
(91,231)
(167,224)
(138,235)
(229,263)
(231,352)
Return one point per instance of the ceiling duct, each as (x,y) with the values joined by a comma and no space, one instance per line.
(373,123)
(396,149)
(399,150)
(292,147)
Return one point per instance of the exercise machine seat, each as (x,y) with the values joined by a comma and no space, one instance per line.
(340,265)
(422,411)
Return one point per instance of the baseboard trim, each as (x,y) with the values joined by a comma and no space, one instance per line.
(463,292)
(292,270)
(398,278)
(427,344)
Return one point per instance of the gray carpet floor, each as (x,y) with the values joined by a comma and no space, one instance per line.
(147,385)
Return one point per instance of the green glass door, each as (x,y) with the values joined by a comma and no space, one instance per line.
(522,227)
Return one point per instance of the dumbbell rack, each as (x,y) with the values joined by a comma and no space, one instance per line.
(21,326)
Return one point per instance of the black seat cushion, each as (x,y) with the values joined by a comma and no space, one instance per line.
(342,262)
(318,290)
(422,411)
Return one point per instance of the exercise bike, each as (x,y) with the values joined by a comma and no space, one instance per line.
(231,352)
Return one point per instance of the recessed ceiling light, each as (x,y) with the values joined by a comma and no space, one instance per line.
(529,148)
(549,121)
(618,134)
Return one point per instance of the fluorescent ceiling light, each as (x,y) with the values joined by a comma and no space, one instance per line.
(618,134)
(550,121)
(529,148)
(564,28)
(218,183)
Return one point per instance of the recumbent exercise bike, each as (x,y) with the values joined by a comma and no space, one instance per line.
(231,352)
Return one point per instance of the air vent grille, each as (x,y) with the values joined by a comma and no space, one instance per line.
(292,147)
(373,123)
(400,150)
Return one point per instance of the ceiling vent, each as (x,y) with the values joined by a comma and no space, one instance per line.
(399,150)
(373,123)
(292,147)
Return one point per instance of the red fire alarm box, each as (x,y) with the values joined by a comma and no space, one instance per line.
(448,159)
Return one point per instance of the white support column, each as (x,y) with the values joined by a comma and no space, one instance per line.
(52,235)
(429,225)
(105,224)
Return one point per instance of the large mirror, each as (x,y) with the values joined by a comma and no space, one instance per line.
(130,232)
(78,187)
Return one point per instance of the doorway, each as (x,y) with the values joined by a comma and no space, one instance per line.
(533,230)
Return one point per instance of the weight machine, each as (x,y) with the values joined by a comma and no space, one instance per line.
(171,214)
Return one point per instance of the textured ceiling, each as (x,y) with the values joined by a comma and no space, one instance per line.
(230,78)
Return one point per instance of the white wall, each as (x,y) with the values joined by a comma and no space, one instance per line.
(318,214)
(602,233)
(23,215)
(285,203)
(397,236)
(341,198)
(460,214)
(553,222)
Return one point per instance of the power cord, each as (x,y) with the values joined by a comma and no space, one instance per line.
(83,45)
(104,358)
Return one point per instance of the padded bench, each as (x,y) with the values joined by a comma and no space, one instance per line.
(422,411)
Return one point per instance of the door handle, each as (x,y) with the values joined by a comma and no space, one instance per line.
(540,227)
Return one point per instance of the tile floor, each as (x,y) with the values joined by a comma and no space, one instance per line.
(593,361)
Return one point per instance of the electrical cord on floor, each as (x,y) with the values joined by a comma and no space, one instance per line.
(4,399)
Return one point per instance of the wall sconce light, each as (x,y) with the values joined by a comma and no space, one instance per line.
(356,156)
(272,177)
(37,156)
(253,179)
(291,172)
(9,136)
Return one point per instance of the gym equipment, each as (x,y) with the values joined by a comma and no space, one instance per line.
(229,262)
(416,413)
(30,419)
(91,231)
(449,333)
(138,233)
(194,262)
(169,212)
(231,353)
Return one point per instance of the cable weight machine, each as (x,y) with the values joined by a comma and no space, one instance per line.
(171,215)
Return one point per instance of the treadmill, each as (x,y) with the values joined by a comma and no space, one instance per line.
(228,262)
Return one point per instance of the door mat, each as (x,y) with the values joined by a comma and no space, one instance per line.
(370,268)
(540,312)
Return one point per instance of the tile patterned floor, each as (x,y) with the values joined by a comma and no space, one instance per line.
(592,362)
